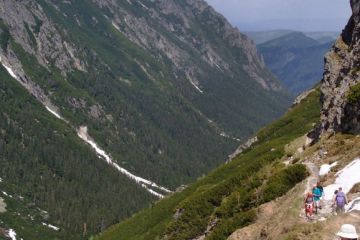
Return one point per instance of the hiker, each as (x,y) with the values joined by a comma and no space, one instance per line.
(309,205)
(333,202)
(347,232)
(340,201)
(317,195)
(321,191)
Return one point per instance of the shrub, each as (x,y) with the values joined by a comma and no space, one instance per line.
(354,94)
(283,181)
(228,226)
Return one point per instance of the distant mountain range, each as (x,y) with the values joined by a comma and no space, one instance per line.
(264,36)
(260,37)
(296,58)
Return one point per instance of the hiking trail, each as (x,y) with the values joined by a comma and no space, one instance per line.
(326,211)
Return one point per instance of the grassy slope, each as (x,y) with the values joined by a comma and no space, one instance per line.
(221,185)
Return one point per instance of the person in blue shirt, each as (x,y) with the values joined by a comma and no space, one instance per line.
(317,195)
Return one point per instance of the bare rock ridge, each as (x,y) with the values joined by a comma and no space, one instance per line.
(342,65)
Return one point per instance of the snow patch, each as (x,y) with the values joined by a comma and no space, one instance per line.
(53,113)
(1,180)
(287,162)
(6,194)
(12,234)
(224,135)
(346,179)
(141,4)
(353,205)
(116,26)
(51,226)
(82,133)
(196,87)
(9,70)
(325,169)
(308,141)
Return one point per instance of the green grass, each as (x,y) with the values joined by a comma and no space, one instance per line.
(228,193)
(354,94)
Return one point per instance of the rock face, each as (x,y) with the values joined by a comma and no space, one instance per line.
(341,73)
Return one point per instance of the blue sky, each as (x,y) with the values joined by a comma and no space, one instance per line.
(303,15)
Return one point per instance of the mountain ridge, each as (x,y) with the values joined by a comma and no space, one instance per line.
(166,90)
(296,59)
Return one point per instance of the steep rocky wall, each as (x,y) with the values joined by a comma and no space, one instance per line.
(37,35)
(143,32)
(341,73)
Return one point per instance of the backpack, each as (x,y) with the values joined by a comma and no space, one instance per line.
(309,207)
(340,199)
(321,189)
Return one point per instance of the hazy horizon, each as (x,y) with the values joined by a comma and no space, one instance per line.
(304,15)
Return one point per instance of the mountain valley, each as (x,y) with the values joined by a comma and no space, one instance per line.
(108,106)
(259,194)
(122,120)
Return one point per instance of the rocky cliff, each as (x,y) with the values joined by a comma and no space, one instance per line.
(341,75)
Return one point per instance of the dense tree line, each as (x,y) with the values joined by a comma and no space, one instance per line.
(47,164)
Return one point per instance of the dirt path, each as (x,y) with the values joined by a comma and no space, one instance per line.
(314,176)
(326,210)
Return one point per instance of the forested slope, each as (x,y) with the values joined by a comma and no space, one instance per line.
(155,94)
(45,165)
(227,198)
(166,89)
(296,59)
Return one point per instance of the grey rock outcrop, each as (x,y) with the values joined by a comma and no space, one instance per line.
(302,96)
(243,147)
(142,32)
(339,76)
(37,35)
